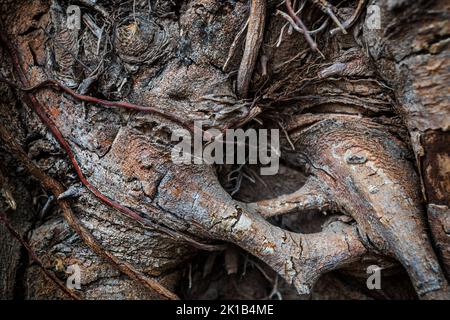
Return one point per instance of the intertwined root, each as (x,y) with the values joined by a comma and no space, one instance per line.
(361,170)
(294,12)
(309,197)
(299,258)
(355,166)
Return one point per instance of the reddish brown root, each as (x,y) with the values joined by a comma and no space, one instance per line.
(255,33)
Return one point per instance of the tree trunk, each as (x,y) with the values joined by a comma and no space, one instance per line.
(87,177)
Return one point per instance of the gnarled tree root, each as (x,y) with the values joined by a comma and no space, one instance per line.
(359,169)
(309,197)
(299,258)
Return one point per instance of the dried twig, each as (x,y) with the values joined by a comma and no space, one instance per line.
(348,23)
(296,27)
(327,8)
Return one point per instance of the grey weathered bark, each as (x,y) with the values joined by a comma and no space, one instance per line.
(367,124)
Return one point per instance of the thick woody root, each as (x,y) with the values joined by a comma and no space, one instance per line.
(211,210)
(359,169)
(309,197)
(299,258)
(57,189)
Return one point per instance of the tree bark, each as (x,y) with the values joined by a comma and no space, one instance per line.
(363,114)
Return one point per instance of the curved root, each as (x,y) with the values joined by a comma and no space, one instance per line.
(369,177)
(309,197)
(299,258)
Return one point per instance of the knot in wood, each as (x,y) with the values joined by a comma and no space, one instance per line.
(140,40)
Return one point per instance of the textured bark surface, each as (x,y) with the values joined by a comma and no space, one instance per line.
(417,63)
(365,139)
